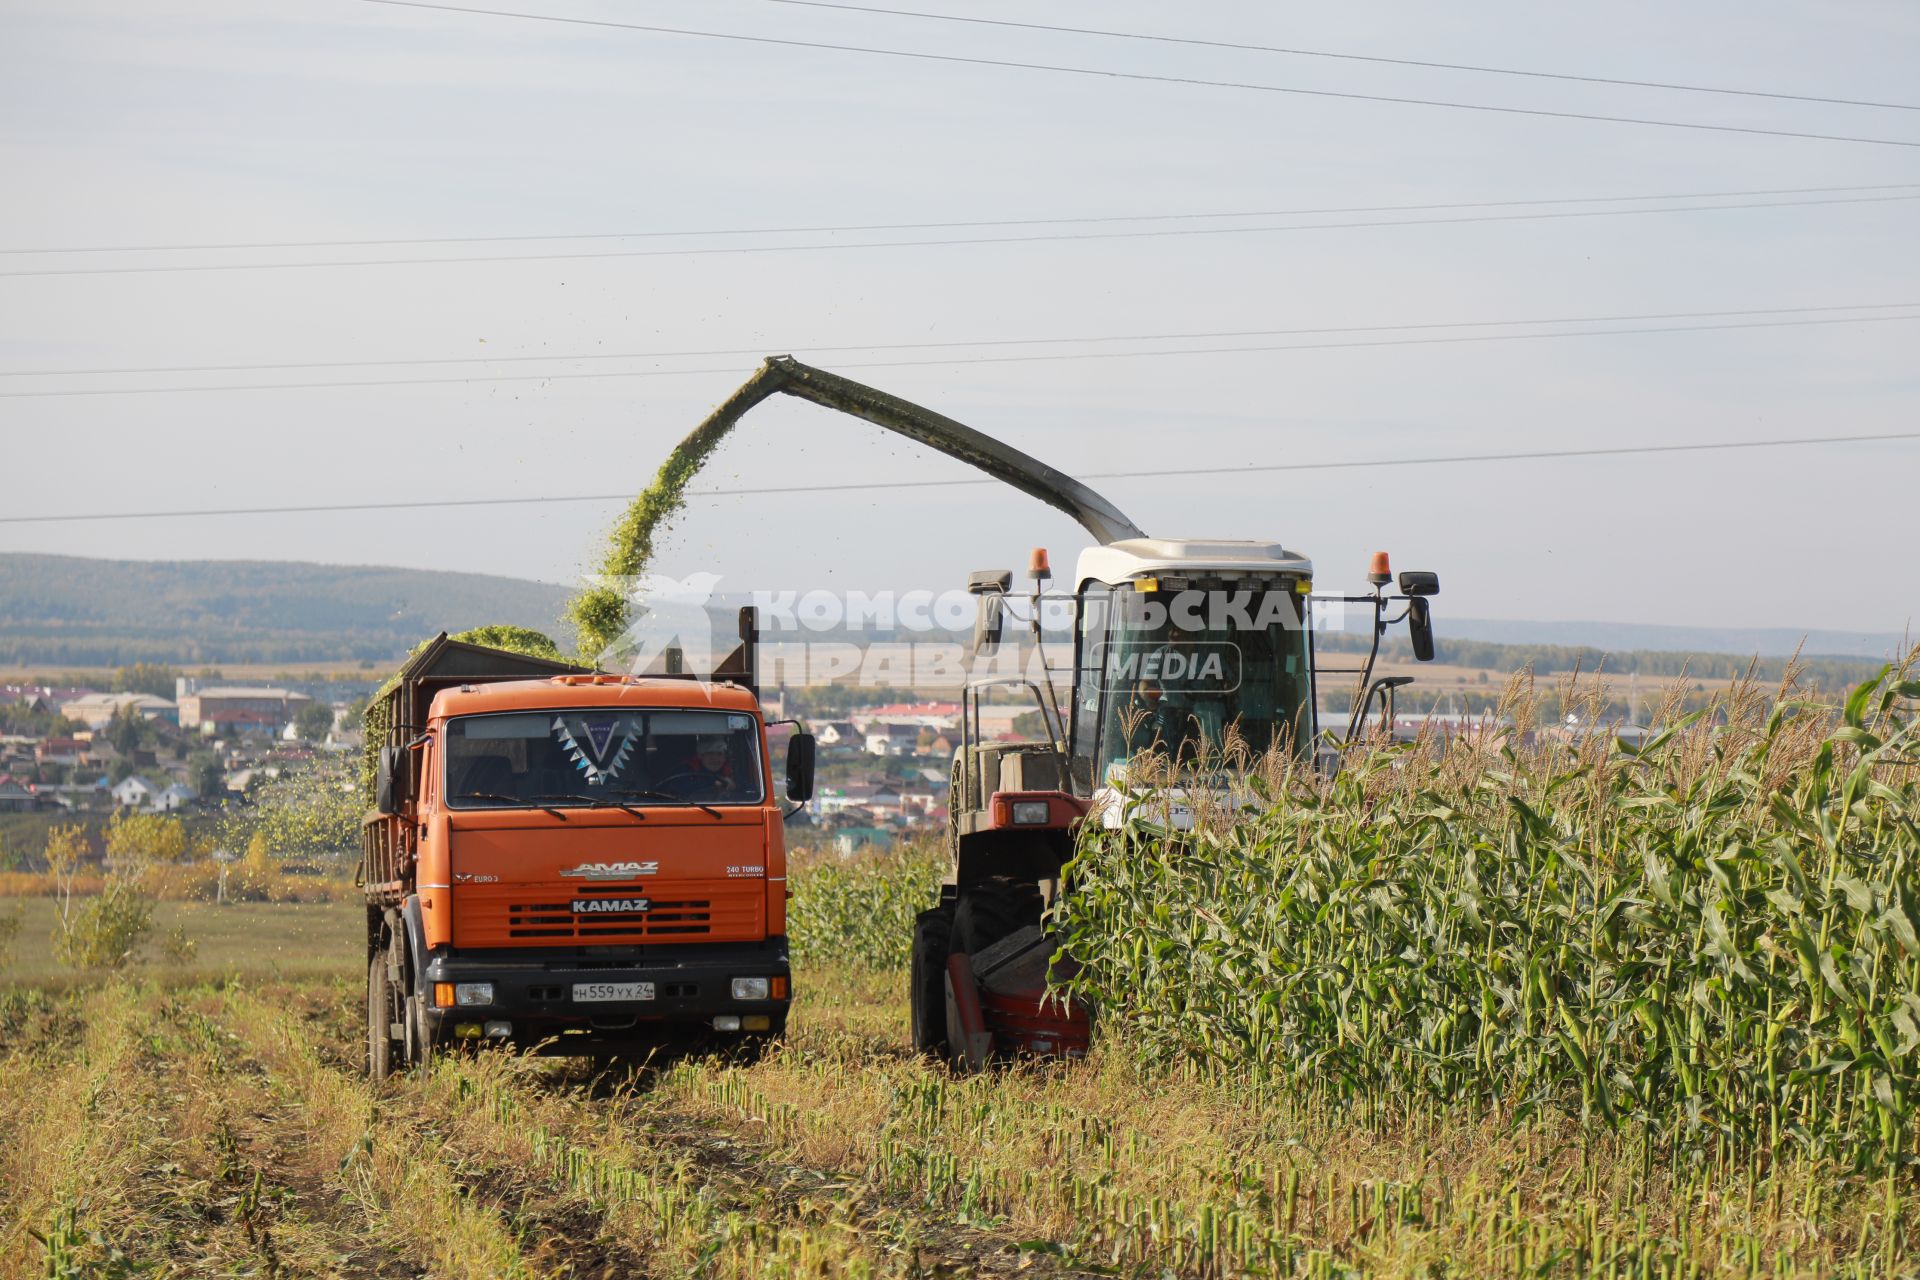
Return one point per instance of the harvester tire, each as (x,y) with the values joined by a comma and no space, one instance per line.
(932,933)
(992,910)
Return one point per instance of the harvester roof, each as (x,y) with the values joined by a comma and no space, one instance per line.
(1132,558)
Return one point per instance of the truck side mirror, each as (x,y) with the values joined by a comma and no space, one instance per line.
(991,586)
(390,783)
(1420,628)
(800,754)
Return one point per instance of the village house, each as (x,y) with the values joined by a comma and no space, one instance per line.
(892,739)
(15,796)
(62,750)
(134,792)
(873,798)
(839,733)
(40,699)
(915,804)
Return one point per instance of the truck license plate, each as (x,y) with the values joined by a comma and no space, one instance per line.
(584,992)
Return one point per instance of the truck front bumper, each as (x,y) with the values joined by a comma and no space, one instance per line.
(539,995)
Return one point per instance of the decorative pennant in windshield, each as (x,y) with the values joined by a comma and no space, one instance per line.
(599,744)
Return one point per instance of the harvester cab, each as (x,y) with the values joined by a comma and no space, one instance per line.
(1196,655)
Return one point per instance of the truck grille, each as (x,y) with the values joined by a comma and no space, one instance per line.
(542,915)
(659,922)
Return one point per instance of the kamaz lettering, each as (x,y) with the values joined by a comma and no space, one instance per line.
(611,870)
(606,906)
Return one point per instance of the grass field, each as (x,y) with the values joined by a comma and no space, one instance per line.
(268,939)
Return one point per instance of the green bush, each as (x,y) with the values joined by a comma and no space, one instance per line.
(1713,936)
(178,946)
(105,930)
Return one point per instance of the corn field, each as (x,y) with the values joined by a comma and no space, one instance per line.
(1709,939)
(859,910)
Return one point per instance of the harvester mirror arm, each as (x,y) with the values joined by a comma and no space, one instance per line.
(1388,687)
(785,375)
(1364,689)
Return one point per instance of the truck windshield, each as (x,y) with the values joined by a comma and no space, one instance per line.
(528,759)
(1179,670)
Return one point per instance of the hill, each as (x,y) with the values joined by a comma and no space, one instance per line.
(87,612)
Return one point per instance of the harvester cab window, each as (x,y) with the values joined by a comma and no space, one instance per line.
(547,758)
(1185,672)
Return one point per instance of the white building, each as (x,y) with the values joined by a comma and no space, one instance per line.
(892,739)
(133,792)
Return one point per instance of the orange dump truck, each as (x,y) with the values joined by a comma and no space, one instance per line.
(572,861)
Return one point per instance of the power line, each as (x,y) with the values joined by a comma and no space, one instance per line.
(1349,57)
(978,342)
(943,362)
(941,242)
(863,486)
(1145,77)
(942,226)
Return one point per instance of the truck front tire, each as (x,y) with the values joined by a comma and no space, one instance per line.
(383,1010)
(419,1036)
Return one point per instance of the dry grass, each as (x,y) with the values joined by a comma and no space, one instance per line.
(226,1131)
(76,1122)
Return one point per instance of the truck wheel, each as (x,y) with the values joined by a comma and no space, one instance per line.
(383,1010)
(419,1037)
(992,910)
(927,992)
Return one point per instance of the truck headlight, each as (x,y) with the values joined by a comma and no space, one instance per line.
(1029,812)
(471,993)
(749,988)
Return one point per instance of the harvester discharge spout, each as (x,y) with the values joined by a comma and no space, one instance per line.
(785,375)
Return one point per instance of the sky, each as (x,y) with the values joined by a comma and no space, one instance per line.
(216,122)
